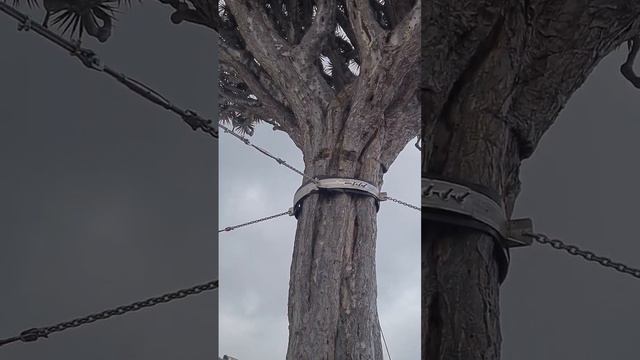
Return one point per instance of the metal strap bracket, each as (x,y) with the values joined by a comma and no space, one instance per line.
(337,184)
(461,205)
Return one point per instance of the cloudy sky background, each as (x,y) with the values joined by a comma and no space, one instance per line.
(581,186)
(255,260)
(105,198)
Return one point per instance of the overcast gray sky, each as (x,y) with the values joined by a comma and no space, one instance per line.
(106,199)
(581,186)
(255,260)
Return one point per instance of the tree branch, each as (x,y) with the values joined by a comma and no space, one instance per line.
(409,27)
(397,65)
(311,94)
(322,27)
(453,32)
(562,56)
(402,123)
(365,29)
(259,34)
(627,68)
(396,10)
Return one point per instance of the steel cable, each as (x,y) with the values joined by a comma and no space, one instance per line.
(90,59)
(231,228)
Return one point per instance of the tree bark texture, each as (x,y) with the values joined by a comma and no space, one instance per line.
(332,297)
(495,75)
(346,124)
(333,284)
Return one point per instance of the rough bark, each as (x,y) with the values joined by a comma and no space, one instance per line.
(495,75)
(332,296)
(333,284)
(345,124)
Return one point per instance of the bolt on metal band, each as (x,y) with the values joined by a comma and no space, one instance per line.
(355,186)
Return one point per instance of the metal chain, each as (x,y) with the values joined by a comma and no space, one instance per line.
(90,59)
(268,154)
(43,332)
(402,203)
(587,255)
(230,228)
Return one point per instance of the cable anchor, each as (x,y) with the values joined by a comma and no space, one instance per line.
(32,335)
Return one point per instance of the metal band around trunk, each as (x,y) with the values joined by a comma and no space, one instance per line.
(455,204)
(463,204)
(337,184)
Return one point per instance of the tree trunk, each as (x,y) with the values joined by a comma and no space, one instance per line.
(470,143)
(346,124)
(332,297)
(495,75)
(459,294)
(460,279)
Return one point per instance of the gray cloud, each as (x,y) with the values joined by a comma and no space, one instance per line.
(255,261)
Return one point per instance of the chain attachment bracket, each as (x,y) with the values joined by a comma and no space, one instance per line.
(451,203)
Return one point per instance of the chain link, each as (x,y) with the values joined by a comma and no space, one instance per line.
(231,228)
(43,332)
(587,255)
(402,203)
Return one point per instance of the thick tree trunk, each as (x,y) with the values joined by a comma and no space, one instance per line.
(470,144)
(460,293)
(495,75)
(460,279)
(332,297)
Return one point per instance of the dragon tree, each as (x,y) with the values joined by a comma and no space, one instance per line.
(495,75)
(340,79)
